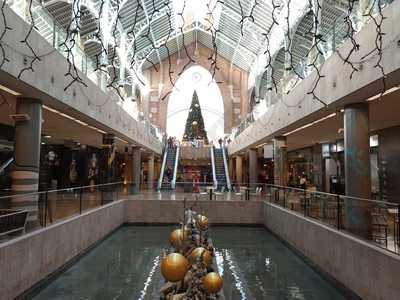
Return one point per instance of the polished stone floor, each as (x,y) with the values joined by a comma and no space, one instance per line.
(61,205)
(172,195)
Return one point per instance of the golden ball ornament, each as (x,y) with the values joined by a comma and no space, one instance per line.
(200,252)
(177,237)
(212,282)
(202,222)
(174,267)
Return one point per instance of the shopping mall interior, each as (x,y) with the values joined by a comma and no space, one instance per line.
(199,149)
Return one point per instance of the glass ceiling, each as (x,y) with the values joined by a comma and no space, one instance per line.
(145,32)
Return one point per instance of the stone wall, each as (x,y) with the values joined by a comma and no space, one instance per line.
(26,260)
(365,269)
(232,81)
(171,211)
(336,89)
(89,104)
(201,153)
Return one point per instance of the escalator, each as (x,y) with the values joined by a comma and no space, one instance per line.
(221,169)
(5,176)
(169,169)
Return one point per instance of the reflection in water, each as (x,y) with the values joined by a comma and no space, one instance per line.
(235,271)
(156,263)
(124,266)
(258,266)
(253,263)
(220,262)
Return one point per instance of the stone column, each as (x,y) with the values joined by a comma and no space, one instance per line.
(25,175)
(230,167)
(150,172)
(109,154)
(136,164)
(128,172)
(287,64)
(253,168)
(239,171)
(357,167)
(280,161)
(103,80)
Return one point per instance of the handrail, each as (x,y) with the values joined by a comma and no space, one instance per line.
(331,195)
(162,168)
(228,180)
(213,167)
(6,164)
(175,167)
(63,190)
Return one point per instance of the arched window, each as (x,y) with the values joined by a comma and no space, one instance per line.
(210,98)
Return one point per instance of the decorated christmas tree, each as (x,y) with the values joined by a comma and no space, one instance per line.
(195,124)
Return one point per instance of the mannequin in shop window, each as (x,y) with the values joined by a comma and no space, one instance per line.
(73,173)
(303,181)
(333,184)
(93,170)
(49,180)
(53,163)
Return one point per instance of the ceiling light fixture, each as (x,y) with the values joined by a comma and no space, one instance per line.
(378,96)
(73,119)
(310,124)
(10,91)
(122,140)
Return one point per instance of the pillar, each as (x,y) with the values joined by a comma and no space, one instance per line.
(253,168)
(137,168)
(103,81)
(357,167)
(150,172)
(25,174)
(280,161)
(108,174)
(239,171)
(230,168)
(74,29)
(287,64)
(128,172)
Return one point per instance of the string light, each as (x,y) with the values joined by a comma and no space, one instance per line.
(108,36)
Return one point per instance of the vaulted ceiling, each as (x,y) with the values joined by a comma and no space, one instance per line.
(154,29)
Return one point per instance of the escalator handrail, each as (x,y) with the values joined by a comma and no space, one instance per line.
(175,167)
(6,164)
(163,168)
(228,181)
(214,173)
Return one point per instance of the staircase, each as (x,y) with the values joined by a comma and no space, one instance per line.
(220,169)
(169,165)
